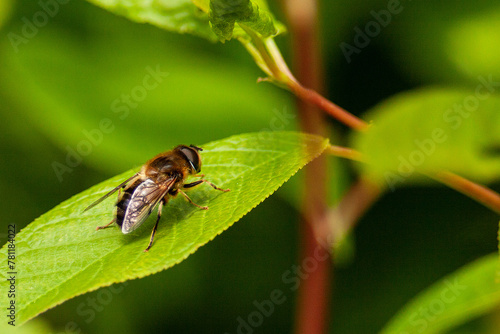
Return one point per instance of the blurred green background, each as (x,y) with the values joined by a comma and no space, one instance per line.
(61,81)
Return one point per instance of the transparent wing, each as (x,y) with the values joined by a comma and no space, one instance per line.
(121,185)
(144,199)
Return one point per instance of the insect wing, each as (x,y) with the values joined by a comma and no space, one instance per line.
(121,185)
(144,199)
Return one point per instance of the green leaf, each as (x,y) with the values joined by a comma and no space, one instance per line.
(465,294)
(433,129)
(225,13)
(193,16)
(61,255)
(181,16)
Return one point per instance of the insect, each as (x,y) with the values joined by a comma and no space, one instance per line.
(159,179)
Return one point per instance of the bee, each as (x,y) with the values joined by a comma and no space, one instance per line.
(159,179)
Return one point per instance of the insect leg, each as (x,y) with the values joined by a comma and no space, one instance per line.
(193,184)
(190,201)
(101,227)
(160,208)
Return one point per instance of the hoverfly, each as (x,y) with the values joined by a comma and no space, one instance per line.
(159,179)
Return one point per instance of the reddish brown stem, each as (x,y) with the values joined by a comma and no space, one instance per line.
(331,108)
(313,301)
(482,194)
(314,293)
(353,206)
(269,58)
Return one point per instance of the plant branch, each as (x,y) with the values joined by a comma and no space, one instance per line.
(268,57)
(363,194)
(313,301)
(331,108)
(480,193)
(353,206)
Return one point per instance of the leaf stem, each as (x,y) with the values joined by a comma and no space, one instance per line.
(260,47)
(363,194)
(344,152)
(480,193)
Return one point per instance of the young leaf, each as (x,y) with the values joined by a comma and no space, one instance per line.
(431,130)
(467,293)
(181,16)
(61,255)
(192,16)
(225,13)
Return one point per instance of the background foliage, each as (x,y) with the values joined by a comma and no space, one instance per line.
(67,77)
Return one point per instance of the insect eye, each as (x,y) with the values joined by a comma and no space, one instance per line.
(193,157)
